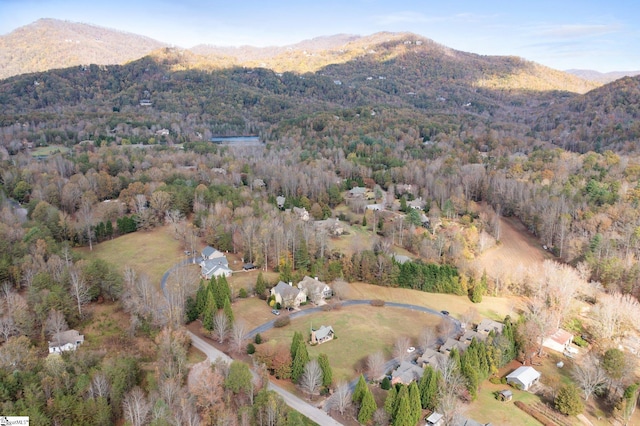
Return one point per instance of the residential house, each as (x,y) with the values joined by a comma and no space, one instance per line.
(280,201)
(559,341)
(451,344)
(486,326)
(417,204)
(357,192)
(287,295)
(321,335)
(65,341)
(210,253)
(258,183)
(400,258)
(469,335)
(314,289)
(523,377)
(431,357)
(332,226)
(301,213)
(248,267)
(216,267)
(406,373)
(375,207)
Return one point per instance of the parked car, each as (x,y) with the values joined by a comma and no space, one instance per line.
(187,252)
(410,349)
(444,312)
(275,312)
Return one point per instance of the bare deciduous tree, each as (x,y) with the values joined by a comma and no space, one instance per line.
(238,333)
(341,398)
(7,327)
(79,289)
(400,348)
(136,407)
(468,317)
(100,386)
(55,324)
(375,365)
(589,375)
(614,314)
(428,337)
(311,379)
(340,289)
(221,326)
(452,384)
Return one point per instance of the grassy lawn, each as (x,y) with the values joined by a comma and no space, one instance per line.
(49,150)
(357,239)
(486,408)
(361,330)
(491,307)
(247,279)
(152,252)
(253,311)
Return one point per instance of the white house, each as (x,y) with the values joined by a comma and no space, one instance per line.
(523,377)
(65,341)
(435,419)
(559,341)
(314,289)
(210,253)
(215,268)
(287,295)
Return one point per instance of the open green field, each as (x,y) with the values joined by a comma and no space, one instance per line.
(49,150)
(360,331)
(491,307)
(253,311)
(150,252)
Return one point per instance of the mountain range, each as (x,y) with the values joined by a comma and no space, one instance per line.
(268,90)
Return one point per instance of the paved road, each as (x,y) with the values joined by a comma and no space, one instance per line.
(308,410)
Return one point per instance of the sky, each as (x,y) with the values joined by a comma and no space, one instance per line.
(563,34)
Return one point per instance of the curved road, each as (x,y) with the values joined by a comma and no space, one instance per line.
(317,415)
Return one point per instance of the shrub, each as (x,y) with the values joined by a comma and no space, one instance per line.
(495,380)
(251,349)
(326,308)
(386,383)
(282,322)
(579,341)
(258,339)
(377,302)
(242,293)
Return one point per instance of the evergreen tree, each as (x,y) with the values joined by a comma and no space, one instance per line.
(568,401)
(385,383)
(210,310)
(261,286)
(429,388)
(201,298)
(108,229)
(364,220)
(302,256)
(228,311)
(301,359)
(327,374)
(390,401)
(402,415)
(367,408)
(415,404)
(224,290)
(360,390)
(296,341)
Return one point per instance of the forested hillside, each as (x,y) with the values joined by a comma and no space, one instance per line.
(50,43)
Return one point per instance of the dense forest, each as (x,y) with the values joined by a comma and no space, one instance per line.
(473,138)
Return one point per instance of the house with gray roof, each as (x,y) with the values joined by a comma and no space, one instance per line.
(210,253)
(486,326)
(523,377)
(216,267)
(406,373)
(451,344)
(314,289)
(287,295)
(321,335)
(65,341)
(431,357)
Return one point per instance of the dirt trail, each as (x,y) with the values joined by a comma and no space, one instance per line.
(518,249)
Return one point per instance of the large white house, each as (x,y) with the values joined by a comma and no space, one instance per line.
(523,377)
(314,289)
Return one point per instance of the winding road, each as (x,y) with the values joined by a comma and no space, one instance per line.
(317,415)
